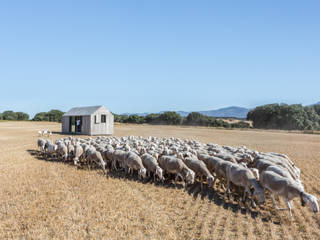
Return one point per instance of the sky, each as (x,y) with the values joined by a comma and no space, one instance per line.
(150,56)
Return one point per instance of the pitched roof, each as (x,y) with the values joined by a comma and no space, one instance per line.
(83,111)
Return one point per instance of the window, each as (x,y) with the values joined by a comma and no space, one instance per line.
(103,118)
(95,119)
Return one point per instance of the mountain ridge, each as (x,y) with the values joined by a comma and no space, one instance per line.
(232,111)
(226,112)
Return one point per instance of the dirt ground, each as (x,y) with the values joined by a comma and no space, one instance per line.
(53,200)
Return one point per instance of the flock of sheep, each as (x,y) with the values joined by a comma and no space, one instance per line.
(163,158)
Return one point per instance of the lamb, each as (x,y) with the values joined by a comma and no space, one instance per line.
(108,155)
(243,177)
(77,154)
(288,190)
(200,169)
(152,165)
(221,171)
(176,166)
(118,157)
(63,151)
(41,144)
(70,151)
(215,165)
(93,156)
(51,149)
(133,162)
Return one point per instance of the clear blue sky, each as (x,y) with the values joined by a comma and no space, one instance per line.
(148,56)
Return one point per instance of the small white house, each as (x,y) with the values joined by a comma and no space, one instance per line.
(95,120)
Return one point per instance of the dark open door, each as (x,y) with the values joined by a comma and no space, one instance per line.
(70,124)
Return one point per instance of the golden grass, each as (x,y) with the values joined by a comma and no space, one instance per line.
(51,200)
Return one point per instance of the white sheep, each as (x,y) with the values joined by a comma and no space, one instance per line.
(288,190)
(152,166)
(243,177)
(176,166)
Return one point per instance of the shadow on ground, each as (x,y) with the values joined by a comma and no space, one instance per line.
(214,195)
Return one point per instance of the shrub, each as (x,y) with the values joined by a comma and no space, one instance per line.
(51,116)
(171,118)
(287,117)
(11,115)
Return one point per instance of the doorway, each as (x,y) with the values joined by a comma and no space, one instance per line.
(75,124)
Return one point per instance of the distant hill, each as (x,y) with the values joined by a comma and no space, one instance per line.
(231,112)
(237,112)
(234,111)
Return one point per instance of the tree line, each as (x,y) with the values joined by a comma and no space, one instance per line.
(173,118)
(286,117)
(11,115)
(51,116)
(271,116)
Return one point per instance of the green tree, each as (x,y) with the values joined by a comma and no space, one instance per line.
(22,116)
(152,118)
(135,119)
(51,116)
(317,108)
(55,115)
(9,115)
(41,116)
(171,118)
(287,117)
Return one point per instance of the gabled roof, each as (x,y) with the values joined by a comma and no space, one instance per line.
(84,111)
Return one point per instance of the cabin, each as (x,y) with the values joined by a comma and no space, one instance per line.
(94,120)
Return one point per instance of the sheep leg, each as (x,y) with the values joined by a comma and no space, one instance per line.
(175,180)
(288,208)
(274,202)
(289,204)
(253,204)
(102,164)
(214,180)
(222,186)
(114,165)
(244,196)
(228,188)
(201,182)
(121,164)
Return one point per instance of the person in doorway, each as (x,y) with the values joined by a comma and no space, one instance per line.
(78,125)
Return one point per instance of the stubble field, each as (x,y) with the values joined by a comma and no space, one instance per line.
(53,200)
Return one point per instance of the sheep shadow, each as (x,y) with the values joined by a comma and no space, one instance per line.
(134,177)
(219,198)
(214,195)
(40,156)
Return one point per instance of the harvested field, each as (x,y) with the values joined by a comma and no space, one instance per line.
(52,200)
